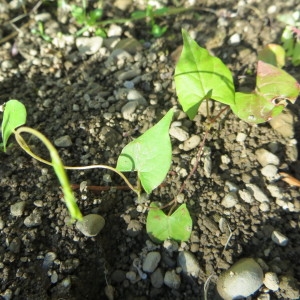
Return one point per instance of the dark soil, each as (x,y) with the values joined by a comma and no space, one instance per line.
(79,95)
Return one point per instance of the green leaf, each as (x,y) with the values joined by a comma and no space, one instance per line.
(150,154)
(161,227)
(273,54)
(274,87)
(296,54)
(199,76)
(14,115)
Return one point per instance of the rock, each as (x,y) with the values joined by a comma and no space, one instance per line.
(170,246)
(284,123)
(123,4)
(114,30)
(134,95)
(34,219)
(49,259)
(289,286)
(90,225)
(151,261)
(243,279)
(264,206)
(15,245)
(63,141)
(128,109)
(230,200)
(127,75)
(130,45)
(266,157)
(17,209)
(279,239)
(134,228)
(191,142)
(269,171)
(89,45)
(157,278)
(178,133)
(257,193)
(188,263)
(241,137)
(235,39)
(172,280)
(271,281)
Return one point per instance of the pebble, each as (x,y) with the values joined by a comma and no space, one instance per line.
(172,280)
(269,171)
(151,261)
(90,225)
(54,277)
(49,259)
(89,45)
(134,228)
(188,263)
(275,191)
(191,142)
(114,30)
(231,186)
(178,133)
(284,124)
(235,39)
(34,219)
(127,75)
(241,137)
(230,200)
(279,239)
(63,141)
(17,209)
(128,109)
(264,206)
(131,276)
(130,45)
(157,278)
(242,279)
(271,281)
(266,157)
(15,245)
(134,95)
(257,193)
(170,246)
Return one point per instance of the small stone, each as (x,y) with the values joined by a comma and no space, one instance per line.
(131,276)
(54,277)
(246,196)
(266,157)
(49,259)
(230,200)
(271,281)
(234,39)
(17,209)
(241,137)
(63,141)
(134,95)
(188,263)
(90,225)
(114,30)
(178,133)
(130,45)
(89,45)
(157,278)
(279,239)
(15,245)
(257,193)
(127,75)
(134,228)
(269,171)
(264,206)
(191,142)
(172,280)
(284,124)
(34,219)
(243,279)
(151,261)
(128,109)
(289,285)
(170,246)
(7,65)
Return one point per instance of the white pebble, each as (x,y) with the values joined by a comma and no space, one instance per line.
(230,200)
(178,133)
(271,281)
(279,239)
(234,39)
(257,193)
(266,157)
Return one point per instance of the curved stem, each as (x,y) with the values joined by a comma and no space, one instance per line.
(27,149)
(57,165)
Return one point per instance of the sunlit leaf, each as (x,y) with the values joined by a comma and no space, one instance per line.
(199,76)
(150,154)
(161,227)
(273,54)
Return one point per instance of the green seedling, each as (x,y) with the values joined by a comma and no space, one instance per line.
(40,31)
(149,155)
(200,76)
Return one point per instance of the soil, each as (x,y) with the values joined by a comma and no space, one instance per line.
(80,95)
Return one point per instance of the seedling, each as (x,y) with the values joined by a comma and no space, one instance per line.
(149,155)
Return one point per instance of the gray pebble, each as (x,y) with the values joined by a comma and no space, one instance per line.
(128,109)
(243,279)
(54,277)
(127,75)
(63,141)
(269,171)
(34,219)
(90,225)
(157,278)
(15,245)
(284,123)
(178,133)
(230,200)
(279,239)
(188,263)
(172,280)
(257,193)
(17,209)
(266,157)
(191,142)
(89,45)
(271,281)
(131,276)
(134,95)
(151,261)
(49,259)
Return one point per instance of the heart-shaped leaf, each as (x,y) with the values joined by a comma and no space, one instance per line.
(150,154)
(273,54)
(14,115)
(161,227)
(199,76)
